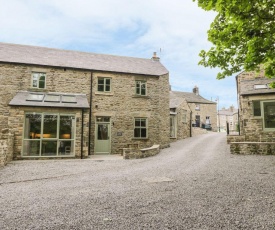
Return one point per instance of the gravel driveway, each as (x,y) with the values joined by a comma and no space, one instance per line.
(194,184)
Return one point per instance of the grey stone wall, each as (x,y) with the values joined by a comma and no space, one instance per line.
(6,146)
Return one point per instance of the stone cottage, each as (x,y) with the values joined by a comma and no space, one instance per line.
(203,112)
(180,114)
(61,103)
(256,114)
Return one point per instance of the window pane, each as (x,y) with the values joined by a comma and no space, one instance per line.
(50,126)
(107,81)
(107,88)
(49,148)
(143,132)
(269,114)
(102,132)
(100,81)
(137,132)
(256,108)
(66,127)
(143,123)
(42,82)
(143,91)
(52,98)
(66,148)
(32,126)
(31,148)
(137,123)
(100,88)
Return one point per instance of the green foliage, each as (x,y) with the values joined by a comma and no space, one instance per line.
(243,36)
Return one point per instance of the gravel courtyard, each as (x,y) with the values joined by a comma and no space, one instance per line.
(194,184)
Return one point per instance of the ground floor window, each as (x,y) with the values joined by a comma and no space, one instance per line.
(48,134)
(140,130)
(268,114)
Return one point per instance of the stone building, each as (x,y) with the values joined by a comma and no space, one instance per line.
(228,116)
(256,115)
(60,103)
(203,112)
(180,114)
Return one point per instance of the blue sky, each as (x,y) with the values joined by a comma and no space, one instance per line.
(176,30)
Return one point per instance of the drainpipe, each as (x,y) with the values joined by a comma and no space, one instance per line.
(191,123)
(82,128)
(90,115)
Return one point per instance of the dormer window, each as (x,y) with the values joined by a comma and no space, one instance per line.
(39,80)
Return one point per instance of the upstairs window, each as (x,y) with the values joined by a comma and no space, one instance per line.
(140,130)
(39,80)
(141,88)
(197,107)
(104,84)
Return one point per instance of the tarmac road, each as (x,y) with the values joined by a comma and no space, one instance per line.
(194,184)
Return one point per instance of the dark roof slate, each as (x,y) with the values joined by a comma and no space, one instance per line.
(190,97)
(25,54)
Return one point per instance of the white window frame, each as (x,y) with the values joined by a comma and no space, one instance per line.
(197,107)
(104,84)
(40,74)
(139,88)
(141,127)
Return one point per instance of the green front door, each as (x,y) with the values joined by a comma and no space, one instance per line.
(102,137)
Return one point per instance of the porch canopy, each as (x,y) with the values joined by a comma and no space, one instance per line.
(43,99)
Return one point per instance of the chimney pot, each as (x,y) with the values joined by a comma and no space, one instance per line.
(155,57)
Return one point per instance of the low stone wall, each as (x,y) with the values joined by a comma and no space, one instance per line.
(249,148)
(130,153)
(235,138)
(198,131)
(6,146)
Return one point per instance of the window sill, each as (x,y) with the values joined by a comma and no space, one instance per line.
(137,138)
(104,93)
(140,96)
(37,90)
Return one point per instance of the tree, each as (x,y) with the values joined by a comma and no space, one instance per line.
(243,35)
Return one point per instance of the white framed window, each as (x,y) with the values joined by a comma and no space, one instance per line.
(103,84)
(48,135)
(197,107)
(268,114)
(207,120)
(140,129)
(141,88)
(38,80)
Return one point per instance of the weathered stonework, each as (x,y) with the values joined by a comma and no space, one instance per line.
(6,146)
(253,139)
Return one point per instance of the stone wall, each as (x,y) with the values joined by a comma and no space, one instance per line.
(250,148)
(6,146)
(122,105)
(183,126)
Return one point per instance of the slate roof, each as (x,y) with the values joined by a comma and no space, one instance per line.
(176,96)
(24,54)
(21,99)
(246,87)
(227,112)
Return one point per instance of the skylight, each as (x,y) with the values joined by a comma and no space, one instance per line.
(261,86)
(68,99)
(52,98)
(35,97)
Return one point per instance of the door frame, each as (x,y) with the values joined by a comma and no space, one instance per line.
(97,122)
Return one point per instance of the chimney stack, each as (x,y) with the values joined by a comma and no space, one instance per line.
(155,57)
(196,90)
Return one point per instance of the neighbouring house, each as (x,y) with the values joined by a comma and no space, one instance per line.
(180,113)
(61,103)
(228,117)
(256,115)
(203,112)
